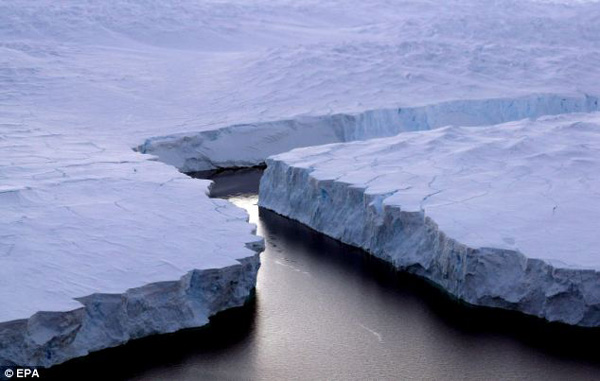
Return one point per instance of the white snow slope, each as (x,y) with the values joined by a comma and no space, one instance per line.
(504,216)
(225,83)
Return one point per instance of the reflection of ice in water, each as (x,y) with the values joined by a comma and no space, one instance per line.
(250,204)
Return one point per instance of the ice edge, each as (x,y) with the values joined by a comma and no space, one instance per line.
(412,241)
(109,320)
(252,143)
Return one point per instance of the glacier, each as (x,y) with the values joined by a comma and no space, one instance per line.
(503,216)
(100,244)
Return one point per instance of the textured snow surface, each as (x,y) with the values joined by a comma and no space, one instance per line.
(142,69)
(504,216)
(348,78)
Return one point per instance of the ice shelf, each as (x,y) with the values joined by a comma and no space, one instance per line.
(503,216)
(99,246)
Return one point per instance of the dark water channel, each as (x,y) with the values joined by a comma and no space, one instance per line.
(324,310)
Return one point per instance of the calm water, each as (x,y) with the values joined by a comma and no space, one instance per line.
(324,310)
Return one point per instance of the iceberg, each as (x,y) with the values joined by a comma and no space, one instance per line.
(100,246)
(503,216)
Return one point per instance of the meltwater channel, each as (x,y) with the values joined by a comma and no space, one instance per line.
(324,310)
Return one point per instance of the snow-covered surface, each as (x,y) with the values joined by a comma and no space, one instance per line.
(139,70)
(86,224)
(503,216)
(352,74)
(79,219)
(83,82)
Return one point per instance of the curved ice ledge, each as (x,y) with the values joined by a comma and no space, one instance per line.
(500,216)
(246,145)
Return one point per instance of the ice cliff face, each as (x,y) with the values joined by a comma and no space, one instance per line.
(107,320)
(504,216)
(250,144)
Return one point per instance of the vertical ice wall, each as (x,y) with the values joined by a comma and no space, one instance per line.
(250,144)
(504,216)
